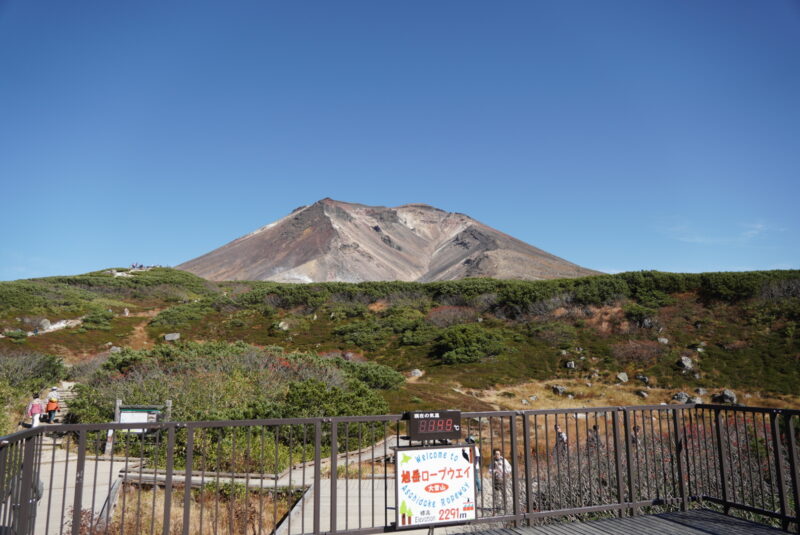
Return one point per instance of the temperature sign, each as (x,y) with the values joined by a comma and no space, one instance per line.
(434,425)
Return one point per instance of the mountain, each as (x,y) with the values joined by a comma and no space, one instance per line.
(339,241)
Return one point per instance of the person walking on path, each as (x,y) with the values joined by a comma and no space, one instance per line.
(52,405)
(35,410)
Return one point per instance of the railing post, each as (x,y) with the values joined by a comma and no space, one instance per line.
(77,503)
(168,481)
(514,469)
(334,472)
(318,475)
(793,467)
(27,502)
(723,466)
(526,443)
(679,459)
(629,460)
(776,444)
(618,461)
(187,480)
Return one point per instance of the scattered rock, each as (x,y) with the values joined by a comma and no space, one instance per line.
(622,377)
(283,326)
(559,390)
(643,378)
(647,323)
(681,397)
(701,391)
(526,402)
(570,396)
(642,393)
(116,349)
(696,375)
(416,372)
(726,396)
(570,364)
(172,337)
(663,341)
(685,362)
(44,324)
(695,399)
(588,384)
(563,352)
(533,398)
(700,350)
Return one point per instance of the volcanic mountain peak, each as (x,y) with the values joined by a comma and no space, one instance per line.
(340,241)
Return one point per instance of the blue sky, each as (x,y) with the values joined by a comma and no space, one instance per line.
(619,135)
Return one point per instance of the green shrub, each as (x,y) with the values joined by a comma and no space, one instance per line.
(466,343)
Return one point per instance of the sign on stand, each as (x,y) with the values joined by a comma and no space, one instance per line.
(435,485)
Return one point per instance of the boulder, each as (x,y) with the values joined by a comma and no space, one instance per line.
(116,349)
(662,340)
(570,365)
(643,378)
(726,396)
(695,399)
(622,377)
(416,372)
(172,337)
(44,324)
(526,402)
(642,394)
(570,396)
(685,362)
(559,390)
(681,397)
(533,398)
(283,326)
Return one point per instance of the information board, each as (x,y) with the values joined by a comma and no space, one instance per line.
(435,486)
(136,417)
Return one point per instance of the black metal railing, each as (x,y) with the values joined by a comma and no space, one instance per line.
(328,475)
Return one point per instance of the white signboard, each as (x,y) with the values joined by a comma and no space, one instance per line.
(133,417)
(435,485)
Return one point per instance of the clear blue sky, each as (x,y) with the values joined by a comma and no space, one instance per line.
(619,135)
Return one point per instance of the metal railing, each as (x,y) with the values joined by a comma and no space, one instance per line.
(328,475)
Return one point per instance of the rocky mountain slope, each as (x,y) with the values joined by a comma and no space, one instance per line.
(338,241)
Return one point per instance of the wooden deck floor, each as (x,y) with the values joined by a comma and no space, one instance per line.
(699,522)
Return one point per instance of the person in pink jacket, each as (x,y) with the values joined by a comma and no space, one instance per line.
(35,410)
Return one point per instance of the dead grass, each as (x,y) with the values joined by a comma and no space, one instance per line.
(142,511)
(609,395)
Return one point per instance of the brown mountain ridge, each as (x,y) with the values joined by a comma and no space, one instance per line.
(347,242)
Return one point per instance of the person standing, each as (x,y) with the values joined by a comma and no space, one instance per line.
(560,449)
(475,453)
(35,410)
(500,470)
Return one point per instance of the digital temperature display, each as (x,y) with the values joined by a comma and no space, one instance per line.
(434,425)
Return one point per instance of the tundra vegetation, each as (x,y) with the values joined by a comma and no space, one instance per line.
(739,329)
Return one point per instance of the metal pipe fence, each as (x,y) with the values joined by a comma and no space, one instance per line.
(327,475)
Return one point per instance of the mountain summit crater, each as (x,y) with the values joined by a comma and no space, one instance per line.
(347,242)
